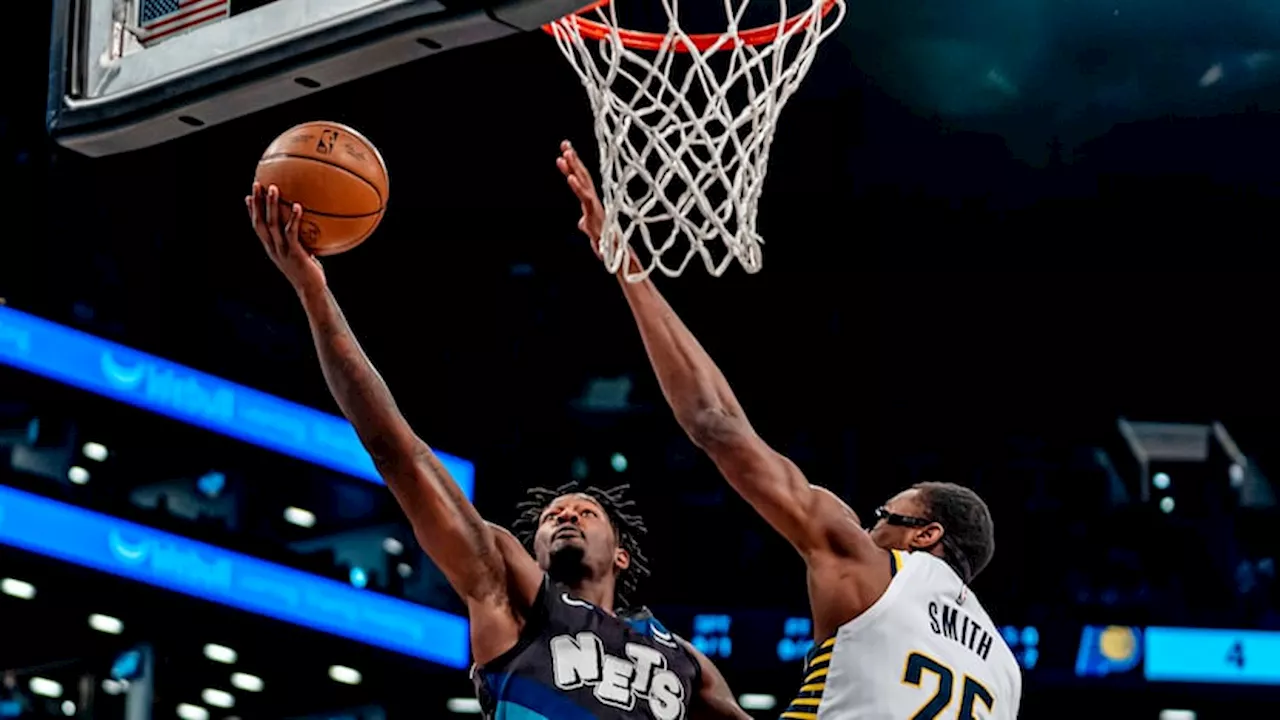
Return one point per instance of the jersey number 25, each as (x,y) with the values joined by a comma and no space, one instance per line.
(971,691)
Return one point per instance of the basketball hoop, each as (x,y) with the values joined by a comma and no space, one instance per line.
(684,123)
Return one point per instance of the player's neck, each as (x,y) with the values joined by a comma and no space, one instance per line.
(597,592)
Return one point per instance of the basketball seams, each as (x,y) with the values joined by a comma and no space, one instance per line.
(301,181)
(353,243)
(267,160)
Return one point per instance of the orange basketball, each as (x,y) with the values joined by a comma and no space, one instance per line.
(336,175)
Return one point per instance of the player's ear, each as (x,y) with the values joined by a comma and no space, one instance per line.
(621,559)
(928,536)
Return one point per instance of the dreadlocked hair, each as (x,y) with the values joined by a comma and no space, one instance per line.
(628,527)
(968,539)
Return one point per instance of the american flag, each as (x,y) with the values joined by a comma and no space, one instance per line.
(162,18)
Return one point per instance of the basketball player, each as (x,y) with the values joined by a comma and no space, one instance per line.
(548,634)
(898,633)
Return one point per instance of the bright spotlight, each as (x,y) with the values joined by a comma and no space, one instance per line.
(218,698)
(187,711)
(95,451)
(343,674)
(757,701)
(45,687)
(299,517)
(18,588)
(463,706)
(106,624)
(246,682)
(220,653)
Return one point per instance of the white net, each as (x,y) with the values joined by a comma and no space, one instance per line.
(684,137)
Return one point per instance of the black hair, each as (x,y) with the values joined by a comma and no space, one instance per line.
(968,539)
(627,526)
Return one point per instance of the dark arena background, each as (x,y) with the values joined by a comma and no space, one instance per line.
(1021,245)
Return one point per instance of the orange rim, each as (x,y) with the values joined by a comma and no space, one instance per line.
(637,40)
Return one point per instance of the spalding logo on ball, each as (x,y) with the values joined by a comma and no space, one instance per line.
(338,177)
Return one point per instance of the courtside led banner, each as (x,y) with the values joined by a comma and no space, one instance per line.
(100,542)
(146,381)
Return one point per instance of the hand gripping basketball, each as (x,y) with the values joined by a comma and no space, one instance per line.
(277,229)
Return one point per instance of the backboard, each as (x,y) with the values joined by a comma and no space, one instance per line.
(129,74)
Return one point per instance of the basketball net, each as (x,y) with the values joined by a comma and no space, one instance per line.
(684,124)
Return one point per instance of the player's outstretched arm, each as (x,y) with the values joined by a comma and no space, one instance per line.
(715,699)
(479,562)
(811,518)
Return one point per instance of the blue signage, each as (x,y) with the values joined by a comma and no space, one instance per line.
(128,550)
(797,639)
(151,383)
(1203,655)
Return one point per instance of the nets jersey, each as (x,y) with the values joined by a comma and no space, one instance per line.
(926,649)
(575,661)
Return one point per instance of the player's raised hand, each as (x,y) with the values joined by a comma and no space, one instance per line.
(580,182)
(277,229)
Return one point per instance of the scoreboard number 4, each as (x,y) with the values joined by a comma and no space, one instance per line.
(1235,655)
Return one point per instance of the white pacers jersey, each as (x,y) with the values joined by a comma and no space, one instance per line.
(926,649)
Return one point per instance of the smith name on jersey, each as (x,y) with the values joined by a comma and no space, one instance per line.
(575,661)
(926,649)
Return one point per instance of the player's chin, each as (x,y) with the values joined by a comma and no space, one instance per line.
(567,542)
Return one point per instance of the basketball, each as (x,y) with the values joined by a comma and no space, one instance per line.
(338,177)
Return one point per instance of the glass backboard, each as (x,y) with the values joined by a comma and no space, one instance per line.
(128,74)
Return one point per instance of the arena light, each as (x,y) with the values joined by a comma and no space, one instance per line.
(45,687)
(1177,715)
(300,517)
(106,624)
(220,653)
(68,708)
(757,701)
(113,687)
(78,475)
(246,682)
(18,588)
(218,698)
(187,711)
(463,706)
(344,674)
(392,546)
(95,451)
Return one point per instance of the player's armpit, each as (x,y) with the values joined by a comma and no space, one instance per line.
(485,565)
(811,518)
(524,577)
(714,698)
